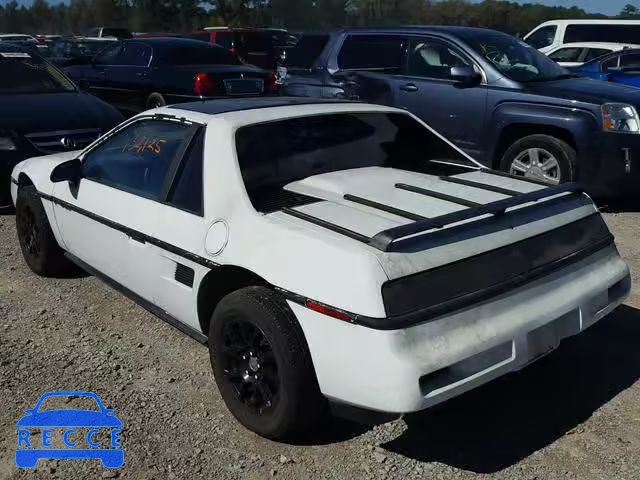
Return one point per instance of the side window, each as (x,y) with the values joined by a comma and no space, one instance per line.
(594,53)
(571,54)
(186,192)
(630,62)
(612,62)
(543,37)
(379,52)
(134,54)
(138,158)
(109,56)
(432,59)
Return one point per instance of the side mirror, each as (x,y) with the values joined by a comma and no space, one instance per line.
(109,411)
(465,76)
(29,411)
(67,172)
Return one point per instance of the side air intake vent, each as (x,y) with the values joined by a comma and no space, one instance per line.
(184,275)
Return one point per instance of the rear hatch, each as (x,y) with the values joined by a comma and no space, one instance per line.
(445,238)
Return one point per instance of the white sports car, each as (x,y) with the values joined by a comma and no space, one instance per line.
(330,253)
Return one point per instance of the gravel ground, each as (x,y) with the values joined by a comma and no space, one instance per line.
(573,414)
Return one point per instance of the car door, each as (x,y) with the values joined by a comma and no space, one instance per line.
(427,90)
(108,218)
(180,223)
(95,75)
(128,77)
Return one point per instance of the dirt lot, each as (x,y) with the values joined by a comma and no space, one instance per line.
(574,414)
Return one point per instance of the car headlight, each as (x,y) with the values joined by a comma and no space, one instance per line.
(620,118)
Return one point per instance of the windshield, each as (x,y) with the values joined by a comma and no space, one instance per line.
(514,58)
(22,73)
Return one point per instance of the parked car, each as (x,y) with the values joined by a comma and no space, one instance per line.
(577,54)
(554,33)
(263,47)
(305,260)
(65,52)
(114,32)
(43,112)
(620,67)
(135,75)
(503,102)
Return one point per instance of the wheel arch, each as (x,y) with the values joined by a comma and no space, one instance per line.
(220,282)
(516,120)
(515,131)
(24,180)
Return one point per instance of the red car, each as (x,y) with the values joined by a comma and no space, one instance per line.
(263,47)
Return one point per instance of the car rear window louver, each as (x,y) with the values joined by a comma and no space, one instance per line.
(384,240)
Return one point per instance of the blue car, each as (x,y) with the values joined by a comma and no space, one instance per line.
(618,67)
(69,419)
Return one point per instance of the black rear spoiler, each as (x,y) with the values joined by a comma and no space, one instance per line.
(383,240)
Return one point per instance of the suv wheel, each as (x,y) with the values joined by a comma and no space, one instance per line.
(541,157)
(262,365)
(37,242)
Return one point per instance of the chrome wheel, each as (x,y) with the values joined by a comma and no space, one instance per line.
(537,164)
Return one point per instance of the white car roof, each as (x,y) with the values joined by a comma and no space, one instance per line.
(240,112)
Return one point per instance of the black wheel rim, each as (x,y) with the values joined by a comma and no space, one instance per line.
(29,232)
(250,367)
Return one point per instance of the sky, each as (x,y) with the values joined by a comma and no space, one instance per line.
(608,7)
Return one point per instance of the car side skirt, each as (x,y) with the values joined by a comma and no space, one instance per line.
(150,307)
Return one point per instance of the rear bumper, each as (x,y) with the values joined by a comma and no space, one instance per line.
(412,369)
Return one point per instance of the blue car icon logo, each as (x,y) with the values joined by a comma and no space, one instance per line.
(99,422)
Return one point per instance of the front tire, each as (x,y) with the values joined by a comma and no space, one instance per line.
(262,364)
(541,157)
(37,242)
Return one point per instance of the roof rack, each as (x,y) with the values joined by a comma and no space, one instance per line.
(383,240)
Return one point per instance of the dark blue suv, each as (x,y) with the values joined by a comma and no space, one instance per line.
(497,98)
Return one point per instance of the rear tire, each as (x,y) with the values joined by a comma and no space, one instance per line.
(37,242)
(262,364)
(155,100)
(541,157)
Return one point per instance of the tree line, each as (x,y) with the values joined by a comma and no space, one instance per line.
(188,15)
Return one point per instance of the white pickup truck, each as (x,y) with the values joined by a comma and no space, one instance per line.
(328,252)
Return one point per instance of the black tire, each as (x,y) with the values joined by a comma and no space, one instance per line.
(37,242)
(155,100)
(561,150)
(291,401)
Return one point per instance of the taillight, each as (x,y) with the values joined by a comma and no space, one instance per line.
(272,83)
(204,85)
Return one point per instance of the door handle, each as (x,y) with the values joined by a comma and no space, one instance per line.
(409,87)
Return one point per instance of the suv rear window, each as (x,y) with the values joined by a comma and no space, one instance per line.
(307,51)
(301,147)
(602,33)
(379,52)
